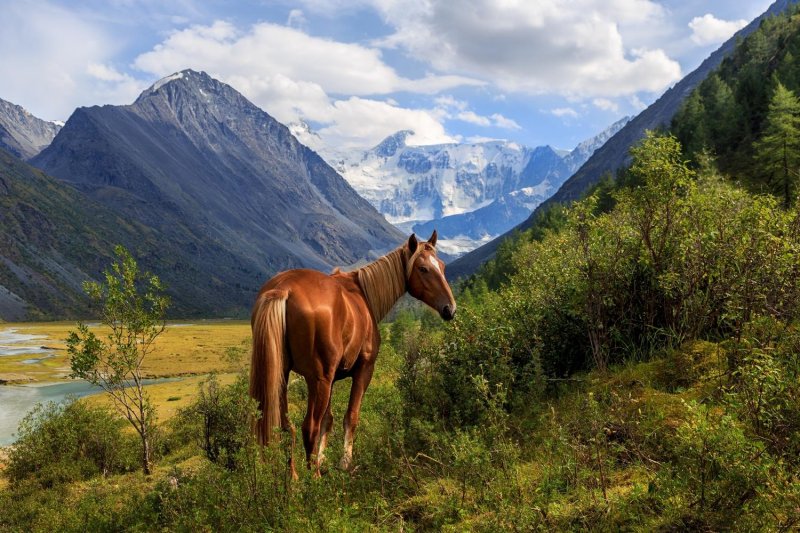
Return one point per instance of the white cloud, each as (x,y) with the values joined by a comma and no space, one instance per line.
(451,108)
(503,122)
(479,139)
(710,30)
(344,123)
(268,49)
(564,112)
(296,19)
(569,47)
(104,72)
(295,76)
(605,104)
(637,103)
(473,118)
(359,122)
(447,100)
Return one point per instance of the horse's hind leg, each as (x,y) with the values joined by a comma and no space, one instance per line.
(286,424)
(319,394)
(327,425)
(361,380)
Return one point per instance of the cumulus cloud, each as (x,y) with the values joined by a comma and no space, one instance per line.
(564,112)
(359,122)
(448,107)
(503,122)
(344,123)
(266,49)
(708,29)
(448,101)
(296,19)
(605,104)
(572,47)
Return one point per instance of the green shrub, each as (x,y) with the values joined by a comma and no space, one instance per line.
(68,441)
(220,419)
(765,391)
(719,474)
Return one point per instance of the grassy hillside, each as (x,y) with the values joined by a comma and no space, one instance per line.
(53,237)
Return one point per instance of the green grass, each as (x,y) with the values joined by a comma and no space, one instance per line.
(601,452)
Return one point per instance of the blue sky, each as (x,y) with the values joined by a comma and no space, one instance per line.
(536,72)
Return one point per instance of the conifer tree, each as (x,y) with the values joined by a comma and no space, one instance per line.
(778,149)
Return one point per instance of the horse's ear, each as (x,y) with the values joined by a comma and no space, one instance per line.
(432,240)
(412,244)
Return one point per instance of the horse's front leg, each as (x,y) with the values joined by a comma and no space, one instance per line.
(361,378)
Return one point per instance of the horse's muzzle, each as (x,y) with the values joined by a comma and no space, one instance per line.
(447,312)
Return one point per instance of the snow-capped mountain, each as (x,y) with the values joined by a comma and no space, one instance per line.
(469,192)
(23,134)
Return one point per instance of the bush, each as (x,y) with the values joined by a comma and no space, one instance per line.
(68,441)
(765,368)
(219,420)
(719,476)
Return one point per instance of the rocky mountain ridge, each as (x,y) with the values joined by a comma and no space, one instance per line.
(22,134)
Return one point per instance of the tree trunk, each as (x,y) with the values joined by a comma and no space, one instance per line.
(146,463)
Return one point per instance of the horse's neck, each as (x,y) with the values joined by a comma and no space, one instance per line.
(383,283)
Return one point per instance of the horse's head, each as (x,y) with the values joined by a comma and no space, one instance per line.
(425,275)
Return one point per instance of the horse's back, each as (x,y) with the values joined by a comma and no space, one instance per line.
(327,319)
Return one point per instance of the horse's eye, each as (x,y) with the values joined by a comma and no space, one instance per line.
(423,269)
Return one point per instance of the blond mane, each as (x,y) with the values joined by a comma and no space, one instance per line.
(383,282)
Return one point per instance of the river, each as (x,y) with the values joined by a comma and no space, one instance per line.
(17,400)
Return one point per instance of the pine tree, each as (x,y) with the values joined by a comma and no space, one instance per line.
(690,125)
(778,149)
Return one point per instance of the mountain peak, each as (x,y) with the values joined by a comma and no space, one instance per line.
(389,146)
(185,78)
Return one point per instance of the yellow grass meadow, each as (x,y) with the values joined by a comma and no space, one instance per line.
(189,350)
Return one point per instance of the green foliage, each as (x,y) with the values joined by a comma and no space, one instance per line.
(746,113)
(63,442)
(219,420)
(720,478)
(497,271)
(765,392)
(133,308)
(778,148)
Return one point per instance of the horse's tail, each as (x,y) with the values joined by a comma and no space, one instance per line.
(267,384)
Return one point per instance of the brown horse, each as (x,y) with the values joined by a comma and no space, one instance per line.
(325,328)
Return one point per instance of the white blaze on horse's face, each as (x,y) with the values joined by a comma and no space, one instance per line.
(426,279)
(435,264)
